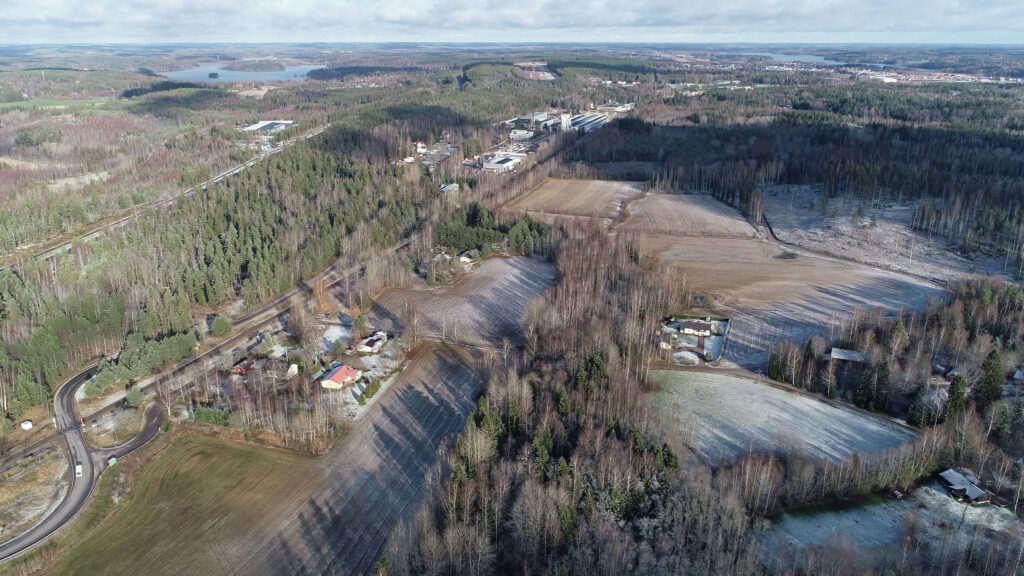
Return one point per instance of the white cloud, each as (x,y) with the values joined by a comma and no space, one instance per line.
(46,21)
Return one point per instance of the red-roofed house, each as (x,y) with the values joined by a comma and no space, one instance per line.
(340,377)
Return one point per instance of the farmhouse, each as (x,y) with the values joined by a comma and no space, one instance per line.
(372,344)
(963,485)
(697,328)
(340,377)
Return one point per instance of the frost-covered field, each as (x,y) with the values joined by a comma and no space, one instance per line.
(483,307)
(884,523)
(723,416)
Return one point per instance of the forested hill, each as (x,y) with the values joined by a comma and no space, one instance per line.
(245,239)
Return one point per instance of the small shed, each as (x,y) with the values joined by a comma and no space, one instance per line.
(243,367)
(846,355)
(26,424)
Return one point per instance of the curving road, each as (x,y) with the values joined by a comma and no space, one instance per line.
(95,461)
(81,488)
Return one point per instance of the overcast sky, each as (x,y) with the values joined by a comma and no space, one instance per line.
(811,21)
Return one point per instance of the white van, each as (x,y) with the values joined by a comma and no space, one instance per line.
(78,470)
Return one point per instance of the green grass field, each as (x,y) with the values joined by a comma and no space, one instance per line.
(192,502)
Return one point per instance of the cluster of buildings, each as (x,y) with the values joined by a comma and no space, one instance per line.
(264,131)
(430,155)
(269,126)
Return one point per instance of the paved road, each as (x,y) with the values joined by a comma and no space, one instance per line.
(94,461)
(81,488)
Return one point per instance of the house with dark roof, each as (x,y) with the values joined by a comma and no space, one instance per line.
(963,485)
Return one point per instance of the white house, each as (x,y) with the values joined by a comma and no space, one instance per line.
(373,344)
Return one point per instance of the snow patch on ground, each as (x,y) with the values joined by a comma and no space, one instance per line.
(335,336)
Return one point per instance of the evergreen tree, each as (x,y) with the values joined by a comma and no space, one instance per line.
(135,397)
(220,326)
(957,396)
(992,380)
(865,397)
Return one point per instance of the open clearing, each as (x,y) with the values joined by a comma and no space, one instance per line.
(723,417)
(483,307)
(592,198)
(796,216)
(879,526)
(29,491)
(686,215)
(209,506)
(116,428)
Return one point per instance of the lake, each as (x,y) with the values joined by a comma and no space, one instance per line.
(810,58)
(202,74)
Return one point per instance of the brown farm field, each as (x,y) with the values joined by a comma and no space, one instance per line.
(207,505)
(592,198)
(772,293)
(484,306)
(686,215)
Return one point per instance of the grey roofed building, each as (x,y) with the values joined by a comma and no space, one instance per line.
(847,355)
(962,484)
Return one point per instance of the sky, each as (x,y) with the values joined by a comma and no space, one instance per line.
(758,21)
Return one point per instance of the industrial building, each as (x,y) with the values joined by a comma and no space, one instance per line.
(534,117)
(520,135)
(502,163)
(588,122)
(269,126)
